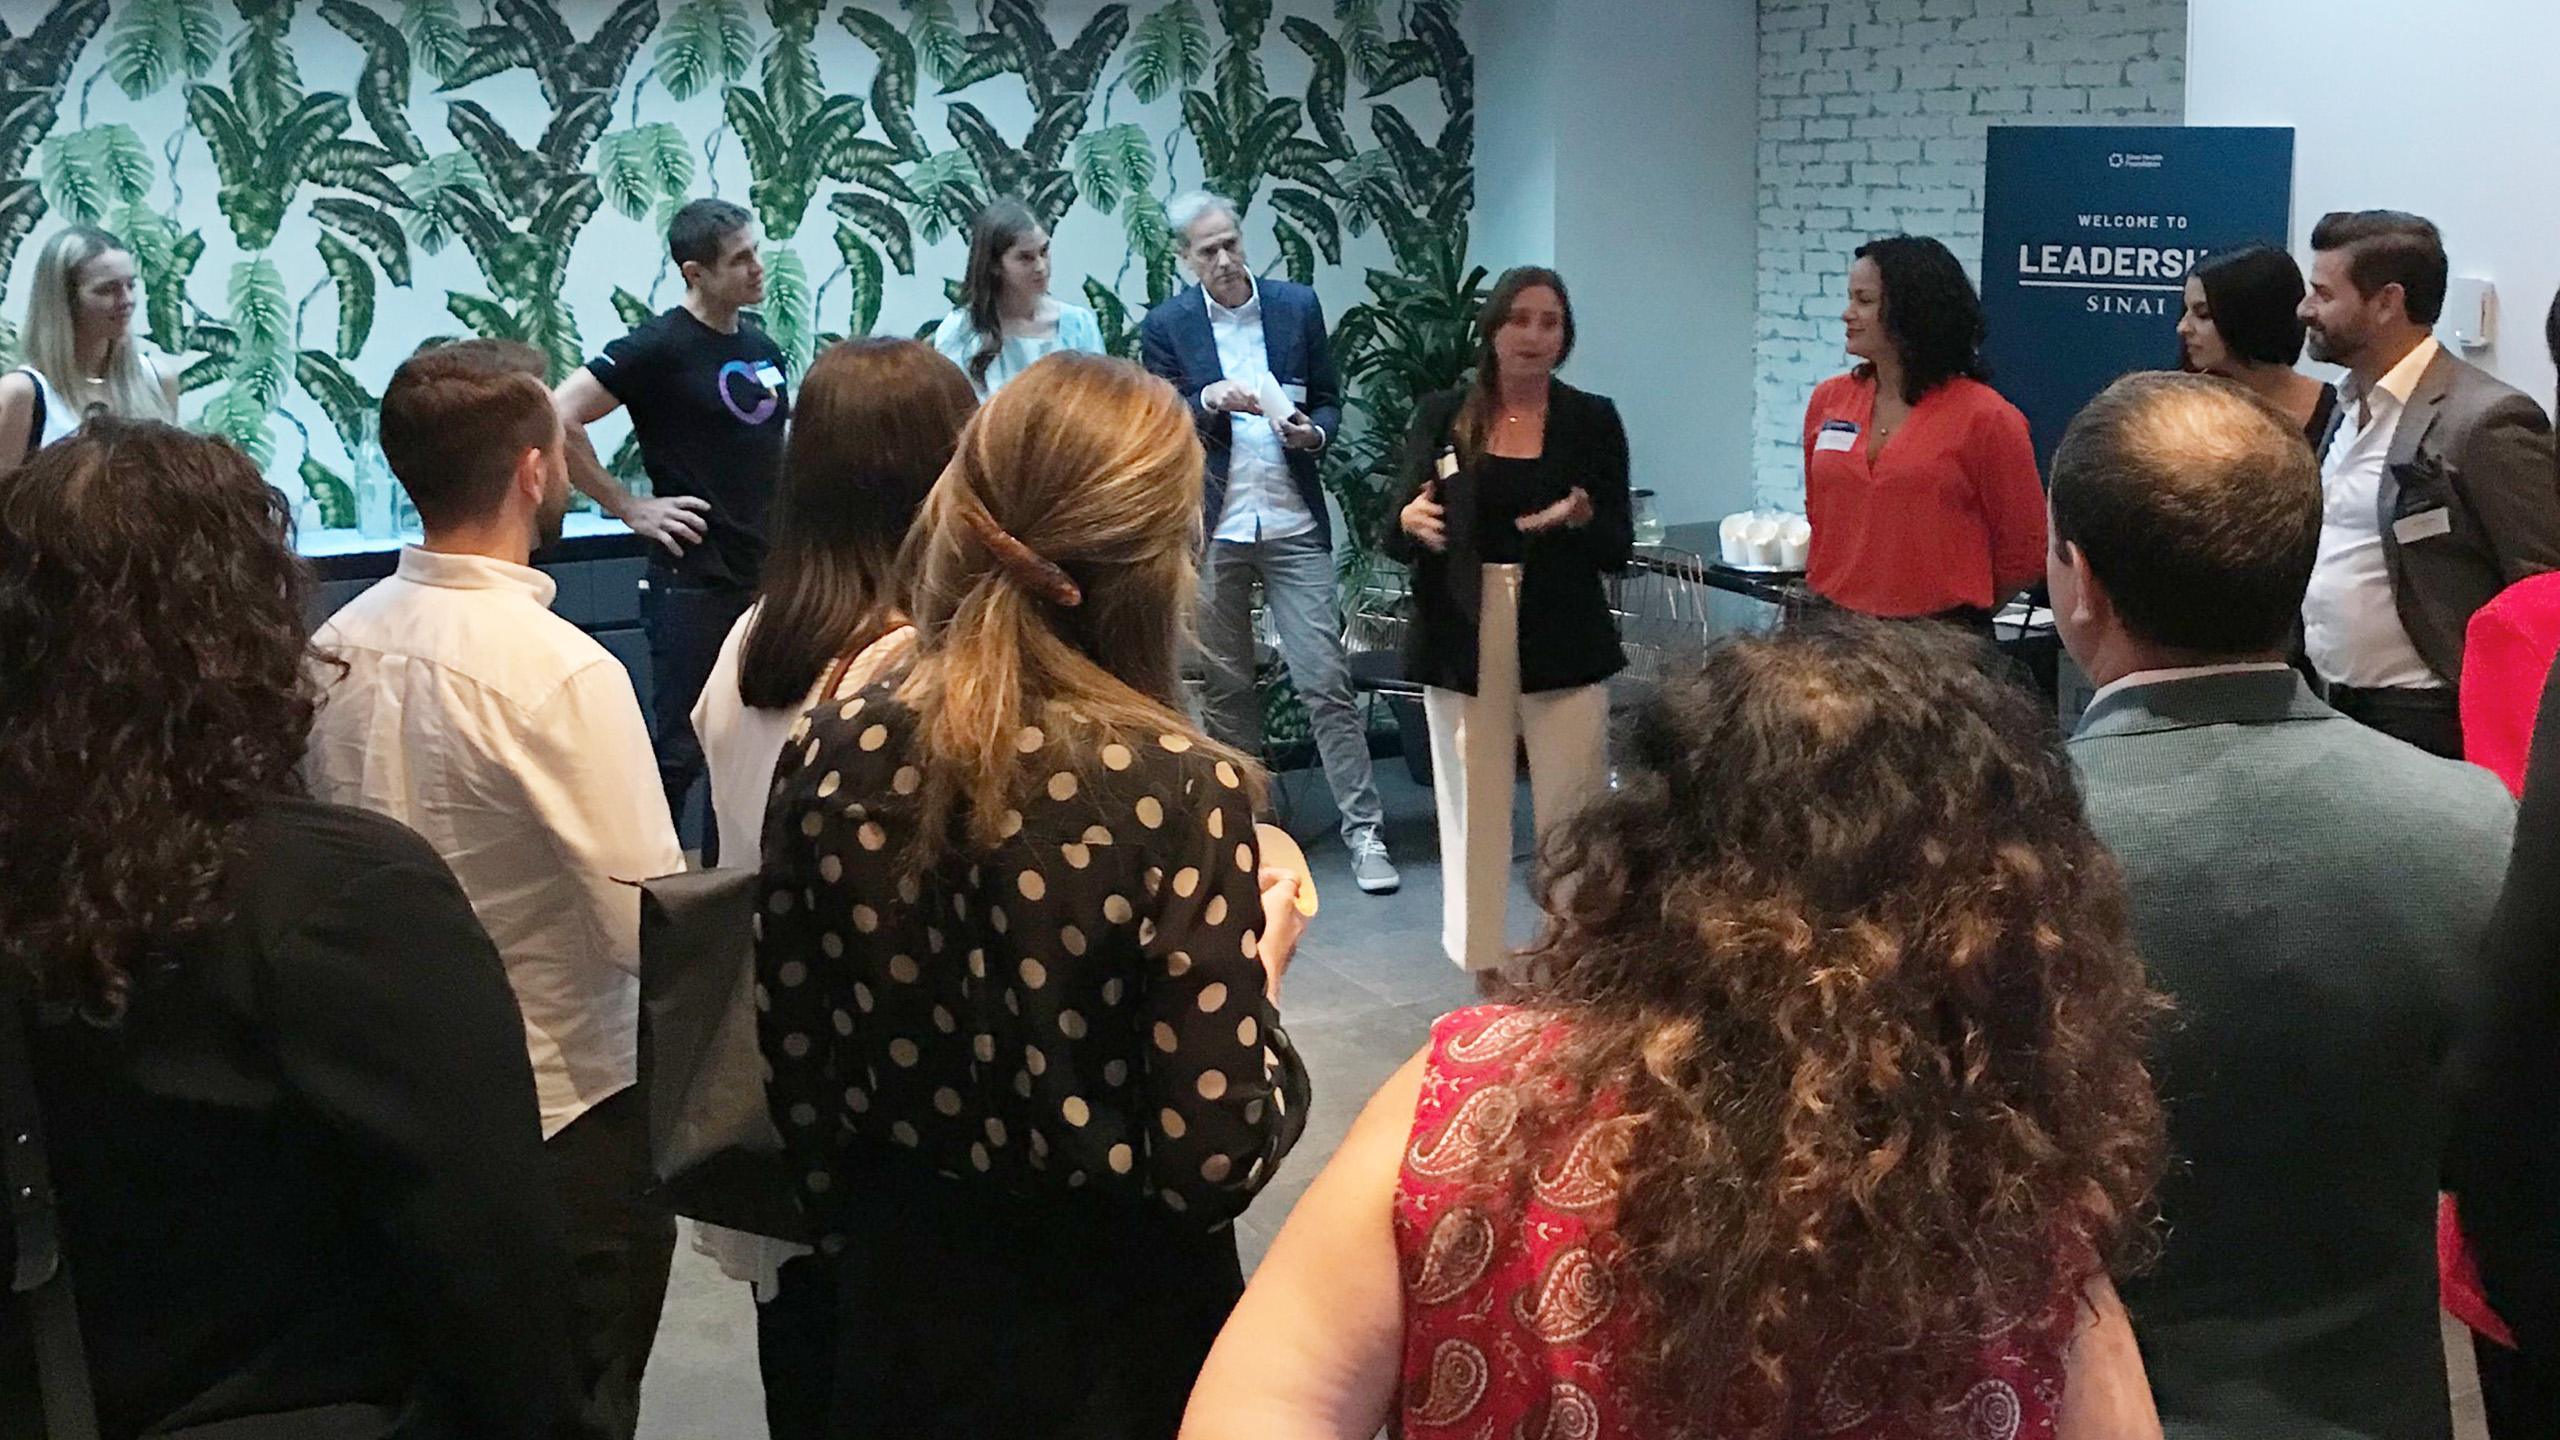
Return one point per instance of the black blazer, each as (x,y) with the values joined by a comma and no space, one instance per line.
(302,1184)
(1568,635)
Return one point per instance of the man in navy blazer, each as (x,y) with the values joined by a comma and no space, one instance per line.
(2313,896)
(1239,348)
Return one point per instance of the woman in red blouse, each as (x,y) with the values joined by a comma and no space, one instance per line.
(1919,479)
(1819,1114)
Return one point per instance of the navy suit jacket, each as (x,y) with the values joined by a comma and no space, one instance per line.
(1178,346)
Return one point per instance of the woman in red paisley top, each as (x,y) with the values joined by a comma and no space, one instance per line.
(1823,1115)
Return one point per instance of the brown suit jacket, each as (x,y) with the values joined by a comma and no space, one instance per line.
(2471,483)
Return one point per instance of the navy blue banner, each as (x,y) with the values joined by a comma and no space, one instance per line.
(2088,233)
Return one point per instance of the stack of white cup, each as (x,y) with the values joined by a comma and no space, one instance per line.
(1765,539)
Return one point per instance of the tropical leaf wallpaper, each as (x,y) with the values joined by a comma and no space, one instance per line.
(313,187)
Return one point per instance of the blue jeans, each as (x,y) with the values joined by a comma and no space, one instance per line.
(1297,588)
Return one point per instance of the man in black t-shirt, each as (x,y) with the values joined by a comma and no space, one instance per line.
(709,400)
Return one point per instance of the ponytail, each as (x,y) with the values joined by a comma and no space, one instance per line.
(973,728)
(1050,574)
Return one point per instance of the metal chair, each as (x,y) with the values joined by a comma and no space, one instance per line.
(1661,607)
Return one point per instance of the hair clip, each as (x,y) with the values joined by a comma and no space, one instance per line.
(1027,567)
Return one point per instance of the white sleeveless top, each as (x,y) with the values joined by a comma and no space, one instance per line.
(60,418)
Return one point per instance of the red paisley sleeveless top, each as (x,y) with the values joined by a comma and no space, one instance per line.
(1516,1312)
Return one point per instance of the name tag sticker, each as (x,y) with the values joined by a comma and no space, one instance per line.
(1448,464)
(1831,439)
(1296,393)
(770,375)
(2425,525)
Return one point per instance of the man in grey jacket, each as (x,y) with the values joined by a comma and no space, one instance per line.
(2437,482)
(2311,894)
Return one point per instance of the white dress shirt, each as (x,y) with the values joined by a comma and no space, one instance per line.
(1262,502)
(2182,672)
(2350,623)
(513,742)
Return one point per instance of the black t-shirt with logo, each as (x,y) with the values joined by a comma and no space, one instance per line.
(709,410)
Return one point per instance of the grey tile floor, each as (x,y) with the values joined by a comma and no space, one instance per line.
(1368,981)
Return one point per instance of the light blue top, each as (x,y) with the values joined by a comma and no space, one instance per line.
(958,339)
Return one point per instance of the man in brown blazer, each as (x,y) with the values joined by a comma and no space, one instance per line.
(2437,487)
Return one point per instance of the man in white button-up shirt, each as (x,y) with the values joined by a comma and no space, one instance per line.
(513,742)
(2437,486)
(1251,357)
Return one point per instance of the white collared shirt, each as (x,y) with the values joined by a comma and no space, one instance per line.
(2181,672)
(2350,623)
(1262,500)
(513,742)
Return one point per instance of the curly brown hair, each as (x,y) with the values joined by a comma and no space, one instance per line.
(154,691)
(1846,952)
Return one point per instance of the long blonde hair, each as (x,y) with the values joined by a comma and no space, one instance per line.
(127,386)
(1093,466)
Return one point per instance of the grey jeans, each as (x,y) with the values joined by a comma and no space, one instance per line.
(1297,588)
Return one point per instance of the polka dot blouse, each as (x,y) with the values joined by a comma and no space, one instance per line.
(1079,1009)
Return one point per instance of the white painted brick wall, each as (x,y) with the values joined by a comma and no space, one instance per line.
(1872,114)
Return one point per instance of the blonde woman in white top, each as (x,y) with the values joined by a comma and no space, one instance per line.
(81,354)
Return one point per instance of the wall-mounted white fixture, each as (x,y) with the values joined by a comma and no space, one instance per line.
(2470,313)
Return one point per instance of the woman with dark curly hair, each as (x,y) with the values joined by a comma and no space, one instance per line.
(1824,1112)
(297,1176)
(1919,479)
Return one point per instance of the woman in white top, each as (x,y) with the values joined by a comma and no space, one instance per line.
(873,425)
(1007,320)
(80,350)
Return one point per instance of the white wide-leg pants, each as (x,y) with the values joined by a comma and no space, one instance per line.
(1473,740)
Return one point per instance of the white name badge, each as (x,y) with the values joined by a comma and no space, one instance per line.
(769,375)
(2425,525)
(1296,393)
(1448,464)
(1836,440)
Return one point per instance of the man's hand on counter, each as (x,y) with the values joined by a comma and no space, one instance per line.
(674,521)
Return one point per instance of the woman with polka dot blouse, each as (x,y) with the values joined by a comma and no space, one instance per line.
(1017,951)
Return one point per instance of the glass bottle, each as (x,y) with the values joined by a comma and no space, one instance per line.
(1648,525)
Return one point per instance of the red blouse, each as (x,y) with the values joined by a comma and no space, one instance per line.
(1950,516)
(1514,1319)
(2506,660)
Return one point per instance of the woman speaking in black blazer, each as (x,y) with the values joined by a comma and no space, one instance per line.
(1513,504)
